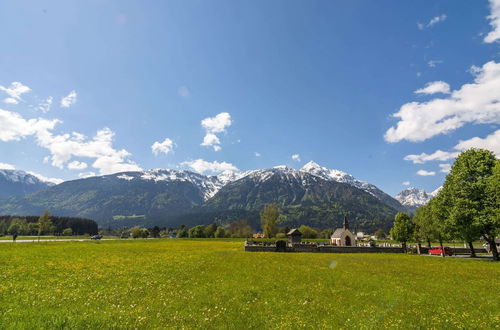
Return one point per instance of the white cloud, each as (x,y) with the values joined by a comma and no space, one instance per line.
(165,147)
(494,19)
(257,154)
(183,92)
(215,167)
(5,166)
(213,126)
(15,91)
(437,155)
(10,100)
(211,140)
(406,183)
(69,100)
(491,142)
(433,21)
(13,127)
(86,175)
(425,173)
(76,165)
(434,63)
(434,87)
(478,102)
(46,179)
(107,159)
(44,106)
(296,157)
(436,19)
(445,168)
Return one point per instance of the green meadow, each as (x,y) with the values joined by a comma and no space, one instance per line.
(181,283)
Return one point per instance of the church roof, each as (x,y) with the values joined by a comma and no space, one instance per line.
(294,232)
(339,232)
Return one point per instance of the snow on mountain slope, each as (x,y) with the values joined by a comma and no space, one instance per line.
(284,173)
(208,185)
(413,197)
(17,183)
(340,176)
(26,177)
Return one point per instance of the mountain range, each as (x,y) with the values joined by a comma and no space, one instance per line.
(412,198)
(313,195)
(19,183)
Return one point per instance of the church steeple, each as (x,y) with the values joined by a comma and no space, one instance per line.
(346,223)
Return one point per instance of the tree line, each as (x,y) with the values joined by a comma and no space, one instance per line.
(45,225)
(466,208)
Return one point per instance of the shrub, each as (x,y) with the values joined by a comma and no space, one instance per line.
(67,232)
(197,232)
(280,235)
(220,232)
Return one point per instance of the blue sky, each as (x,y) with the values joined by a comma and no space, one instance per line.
(319,79)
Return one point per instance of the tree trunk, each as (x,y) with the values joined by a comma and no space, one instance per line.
(429,243)
(419,248)
(442,248)
(472,251)
(493,246)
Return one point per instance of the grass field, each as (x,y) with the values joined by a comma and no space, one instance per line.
(215,284)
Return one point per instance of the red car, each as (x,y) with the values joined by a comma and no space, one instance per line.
(436,250)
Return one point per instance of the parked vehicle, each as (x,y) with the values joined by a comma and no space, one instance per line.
(96,237)
(436,251)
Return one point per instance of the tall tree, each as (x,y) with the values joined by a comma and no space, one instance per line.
(402,228)
(423,225)
(269,219)
(465,190)
(210,230)
(489,220)
(44,224)
(439,211)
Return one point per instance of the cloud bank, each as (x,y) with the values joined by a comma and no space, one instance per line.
(478,103)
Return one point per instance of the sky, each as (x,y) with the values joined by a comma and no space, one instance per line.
(388,91)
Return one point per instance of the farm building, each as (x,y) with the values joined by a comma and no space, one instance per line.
(294,236)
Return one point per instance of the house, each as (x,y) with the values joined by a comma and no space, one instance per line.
(258,235)
(294,237)
(343,236)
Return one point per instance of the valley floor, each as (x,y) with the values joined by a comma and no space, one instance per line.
(215,284)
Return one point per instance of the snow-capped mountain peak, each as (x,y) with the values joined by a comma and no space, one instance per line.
(413,197)
(17,182)
(337,175)
(311,166)
(343,177)
(26,177)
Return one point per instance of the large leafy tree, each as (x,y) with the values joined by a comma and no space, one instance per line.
(402,228)
(439,211)
(423,225)
(269,219)
(465,195)
(489,220)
